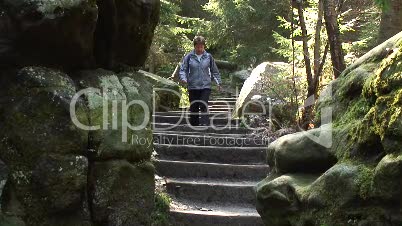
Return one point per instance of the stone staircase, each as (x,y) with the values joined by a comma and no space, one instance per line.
(210,171)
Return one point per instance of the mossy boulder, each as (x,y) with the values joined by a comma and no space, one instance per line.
(297,153)
(361,110)
(338,186)
(167,93)
(41,145)
(123,193)
(282,196)
(117,104)
(387,178)
(50,148)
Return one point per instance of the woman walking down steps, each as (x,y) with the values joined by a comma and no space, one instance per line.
(196,71)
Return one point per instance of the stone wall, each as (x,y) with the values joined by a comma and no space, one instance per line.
(75,129)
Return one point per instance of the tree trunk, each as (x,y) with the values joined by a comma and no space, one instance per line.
(308,107)
(391,20)
(317,49)
(331,23)
(306,53)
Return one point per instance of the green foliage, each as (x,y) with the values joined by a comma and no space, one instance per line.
(241,29)
(160,216)
(384,4)
(365,180)
(184,101)
(171,40)
(355,44)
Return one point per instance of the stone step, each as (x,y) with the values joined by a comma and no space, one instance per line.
(208,140)
(231,129)
(200,133)
(222,102)
(186,120)
(200,218)
(201,170)
(217,114)
(221,106)
(225,99)
(230,155)
(200,214)
(212,191)
(213,109)
(221,109)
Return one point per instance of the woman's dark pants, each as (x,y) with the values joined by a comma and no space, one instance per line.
(199,102)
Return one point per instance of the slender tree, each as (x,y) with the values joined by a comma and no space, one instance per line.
(313,74)
(331,23)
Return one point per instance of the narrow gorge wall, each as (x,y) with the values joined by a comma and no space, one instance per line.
(51,171)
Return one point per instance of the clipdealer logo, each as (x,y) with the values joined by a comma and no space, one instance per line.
(114,107)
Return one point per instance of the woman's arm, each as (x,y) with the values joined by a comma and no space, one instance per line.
(183,72)
(215,72)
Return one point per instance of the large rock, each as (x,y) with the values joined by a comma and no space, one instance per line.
(238,78)
(298,153)
(280,197)
(53,33)
(43,149)
(50,148)
(264,76)
(76,34)
(364,186)
(110,111)
(135,25)
(338,187)
(387,183)
(167,93)
(122,193)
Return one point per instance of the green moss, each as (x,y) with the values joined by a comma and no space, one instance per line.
(160,216)
(365,180)
(358,109)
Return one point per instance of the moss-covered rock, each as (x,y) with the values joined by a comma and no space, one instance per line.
(48,145)
(337,187)
(123,193)
(36,118)
(364,186)
(118,103)
(280,197)
(62,181)
(167,93)
(387,178)
(297,153)
(40,145)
